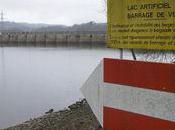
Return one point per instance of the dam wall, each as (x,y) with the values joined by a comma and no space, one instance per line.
(52,39)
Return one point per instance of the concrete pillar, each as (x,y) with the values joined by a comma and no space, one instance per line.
(99,40)
(73,40)
(86,40)
(22,39)
(13,39)
(5,39)
(40,39)
(50,39)
(62,39)
(31,39)
(1,43)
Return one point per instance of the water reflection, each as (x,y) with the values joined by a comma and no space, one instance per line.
(33,80)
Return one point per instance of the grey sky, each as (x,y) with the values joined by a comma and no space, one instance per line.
(66,12)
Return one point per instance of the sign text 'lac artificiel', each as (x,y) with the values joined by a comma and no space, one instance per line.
(144,24)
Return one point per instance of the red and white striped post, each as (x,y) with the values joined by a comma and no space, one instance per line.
(132,95)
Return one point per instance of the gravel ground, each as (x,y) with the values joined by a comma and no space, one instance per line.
(76,117)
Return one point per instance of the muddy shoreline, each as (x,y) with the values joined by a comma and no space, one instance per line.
(77,116)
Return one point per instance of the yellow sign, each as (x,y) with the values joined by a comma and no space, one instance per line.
(144,24)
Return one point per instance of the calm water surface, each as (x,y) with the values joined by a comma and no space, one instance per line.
(34,80)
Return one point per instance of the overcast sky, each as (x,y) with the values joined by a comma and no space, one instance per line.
(66,12)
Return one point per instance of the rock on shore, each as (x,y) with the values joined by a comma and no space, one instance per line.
(76,117)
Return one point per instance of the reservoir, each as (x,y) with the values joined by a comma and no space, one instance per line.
(34,80)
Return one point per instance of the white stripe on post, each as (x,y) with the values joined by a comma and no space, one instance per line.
(141,101)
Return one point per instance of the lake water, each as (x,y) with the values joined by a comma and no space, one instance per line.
(34,80)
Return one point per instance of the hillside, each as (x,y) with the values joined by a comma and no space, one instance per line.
(27,27)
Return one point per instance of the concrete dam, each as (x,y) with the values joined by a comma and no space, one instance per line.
(42,39)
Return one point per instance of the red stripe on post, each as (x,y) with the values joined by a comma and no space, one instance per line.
(156,76)
(120,120)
